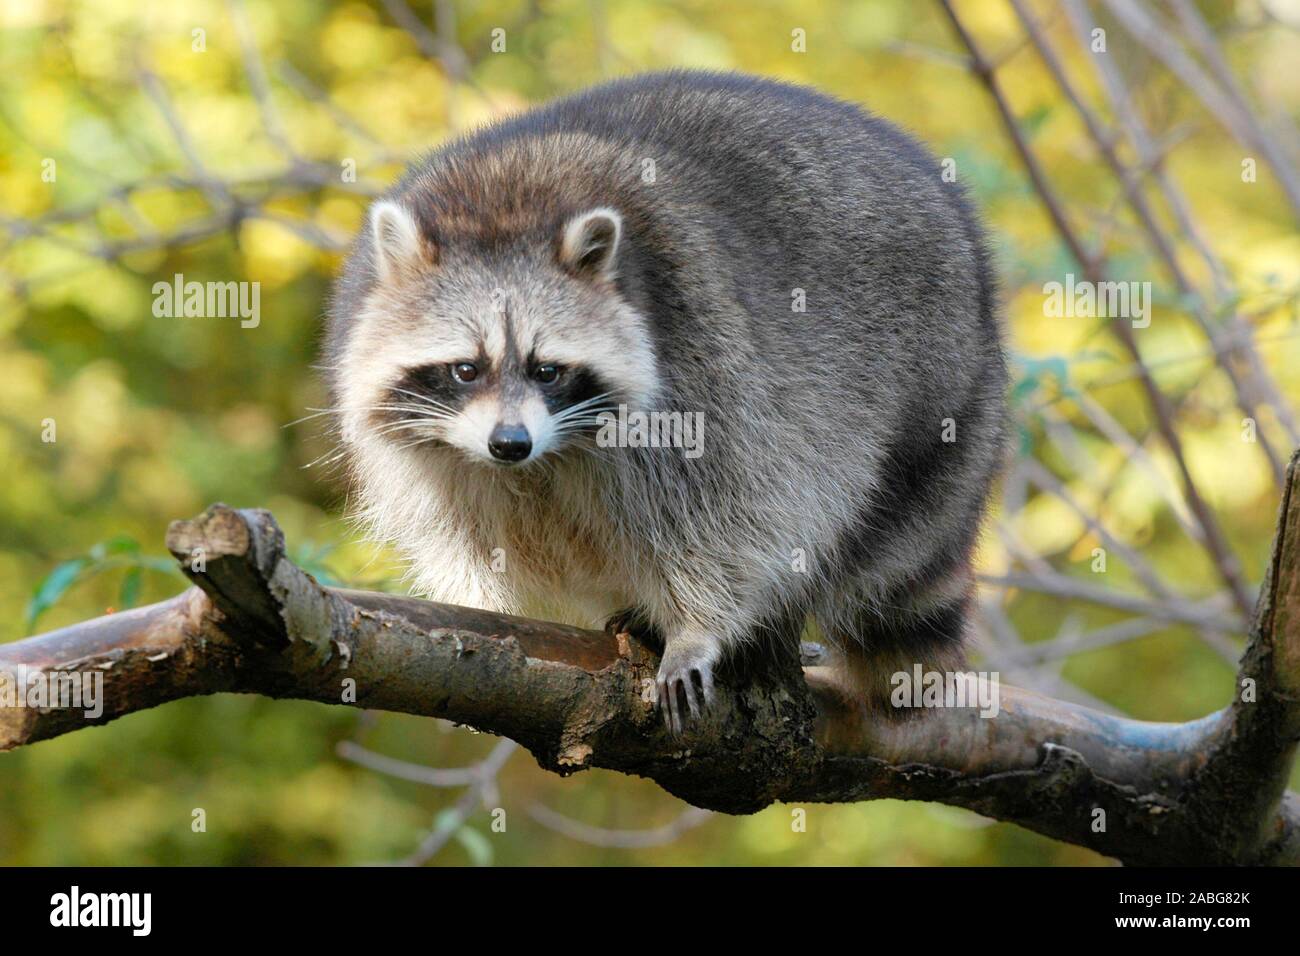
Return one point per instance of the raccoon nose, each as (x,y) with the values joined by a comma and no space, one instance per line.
(510,443)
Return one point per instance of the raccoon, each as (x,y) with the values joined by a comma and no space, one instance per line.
(789,269)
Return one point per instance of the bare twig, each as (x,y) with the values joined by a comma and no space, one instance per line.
(1163,245)
(257,81)
(1229,109)
(1216,543)
(688,819)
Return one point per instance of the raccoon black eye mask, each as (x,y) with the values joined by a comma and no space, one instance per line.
(779,266)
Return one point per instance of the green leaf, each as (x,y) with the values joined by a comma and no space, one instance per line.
(476,845)
(323,575)
(162,565)
(48,591)
(122,544)
(130,592)
(312,559)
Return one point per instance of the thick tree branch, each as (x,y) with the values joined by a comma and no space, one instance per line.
(1209,791)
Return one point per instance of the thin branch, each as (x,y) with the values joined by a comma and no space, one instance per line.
(410,772)
(1229,568)
(688,819)
(1152,157)
(1105,143)
(1230,110)
(257,81)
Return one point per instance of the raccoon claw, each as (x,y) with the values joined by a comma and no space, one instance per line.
(671,690)
(677,679)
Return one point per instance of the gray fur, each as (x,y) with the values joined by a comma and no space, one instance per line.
(823,429)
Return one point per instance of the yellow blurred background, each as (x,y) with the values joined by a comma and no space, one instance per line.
(218,140)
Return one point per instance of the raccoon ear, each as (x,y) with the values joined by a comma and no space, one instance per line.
(590,242)
(400,247)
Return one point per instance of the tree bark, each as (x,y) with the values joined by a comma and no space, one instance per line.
(1209,791)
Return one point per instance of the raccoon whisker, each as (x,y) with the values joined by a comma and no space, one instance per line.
(404,423)
(331,456)
(593,418)
(424,399)
(409,423)
(316,413)
(582,406)
(564,436)
(407,406)
(570,425)
(322,412)
(591,415)
(571,413)
(576,425)
(423,413)
(393,405)
(422,441)
(575,410)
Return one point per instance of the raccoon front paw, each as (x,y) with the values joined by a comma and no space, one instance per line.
(684,660)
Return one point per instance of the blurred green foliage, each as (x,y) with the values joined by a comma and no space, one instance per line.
(158,417)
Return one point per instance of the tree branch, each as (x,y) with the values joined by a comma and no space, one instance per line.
(1208,791)
(1215,541)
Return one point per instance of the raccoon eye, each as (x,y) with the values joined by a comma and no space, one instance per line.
(546,374)
(464,372)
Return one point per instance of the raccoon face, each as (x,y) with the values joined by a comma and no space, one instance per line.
(507,354)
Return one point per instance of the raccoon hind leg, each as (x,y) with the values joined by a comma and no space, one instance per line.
(873,640)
